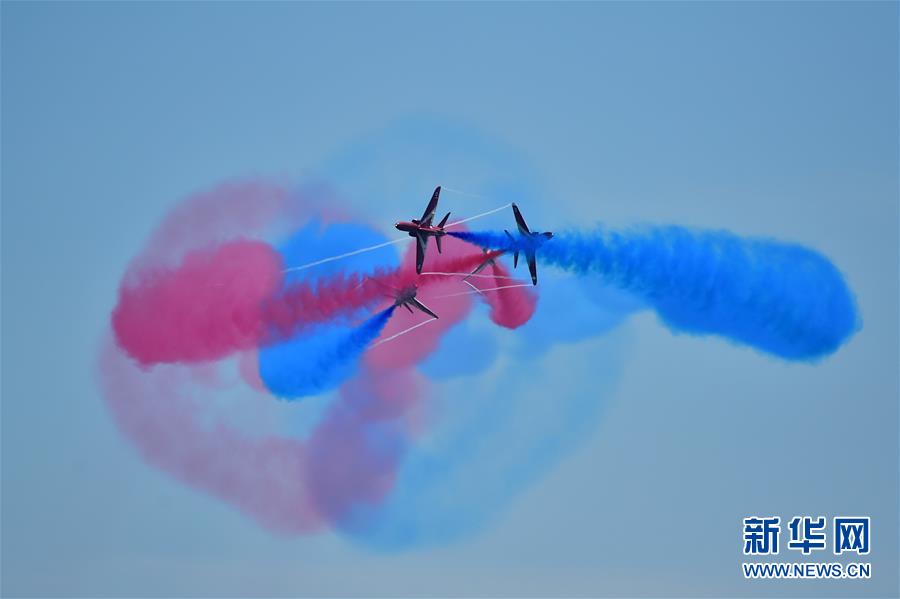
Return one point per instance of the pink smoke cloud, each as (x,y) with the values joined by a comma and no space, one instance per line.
(511,307)
(205,309)
(162,415)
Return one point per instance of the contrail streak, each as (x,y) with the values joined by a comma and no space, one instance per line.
(386,243)
(482,290)
(347,255)
(477,290)
(489,212)
(469,275)
(403,332)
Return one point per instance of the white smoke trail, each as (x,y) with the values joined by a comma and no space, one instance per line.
(403,332)
(385,244)
(469,275)
(481,290)
(346,255)
(489,212)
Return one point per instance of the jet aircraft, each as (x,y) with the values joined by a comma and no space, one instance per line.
(406,297)
(533,242)
(422,229)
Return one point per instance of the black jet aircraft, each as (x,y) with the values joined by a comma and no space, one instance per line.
(533,242)
(406,297)
(422,229)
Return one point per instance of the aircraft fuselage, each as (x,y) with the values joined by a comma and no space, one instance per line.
(406,294)
(412,228)
(406,298)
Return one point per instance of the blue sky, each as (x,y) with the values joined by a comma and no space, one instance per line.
(761,118)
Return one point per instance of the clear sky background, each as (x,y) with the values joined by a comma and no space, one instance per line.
(761,118)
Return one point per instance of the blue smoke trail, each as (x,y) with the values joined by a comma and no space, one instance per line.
(781,298)
(316,361)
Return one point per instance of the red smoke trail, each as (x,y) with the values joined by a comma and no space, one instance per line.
(203,310)
(226,299)
(339,295)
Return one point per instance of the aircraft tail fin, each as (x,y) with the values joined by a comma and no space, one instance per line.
(437,242)
(520,221)
(443,221)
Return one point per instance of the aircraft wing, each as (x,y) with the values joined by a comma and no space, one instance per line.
(482,266)
(421,246)
(422,307)
(532,267)
(520,222)
(428,215)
